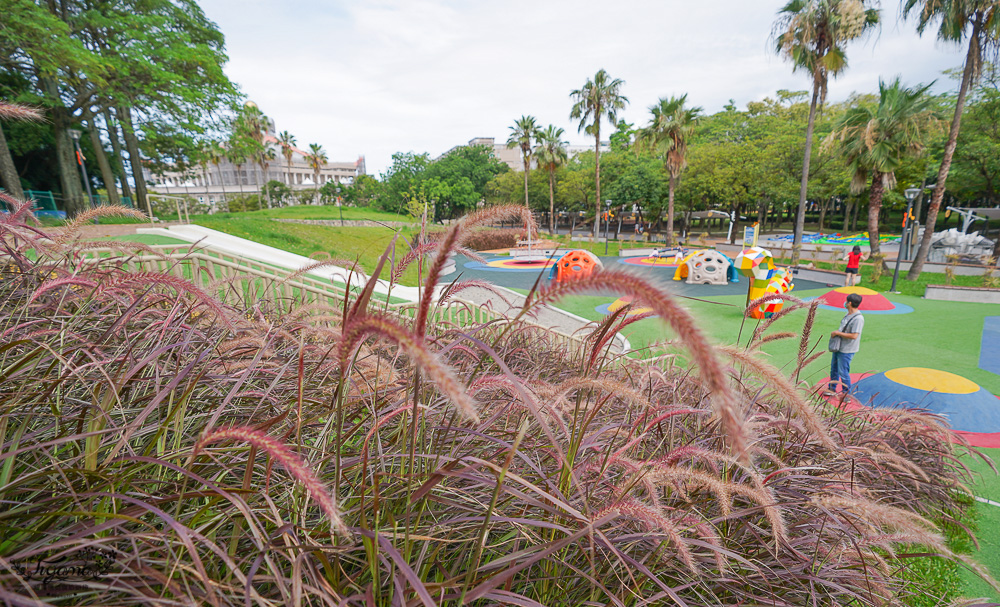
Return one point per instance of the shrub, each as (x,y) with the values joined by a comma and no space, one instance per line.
(488,239)
(186,450)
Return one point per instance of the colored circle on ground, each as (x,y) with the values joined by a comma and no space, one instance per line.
(967,406)
(651,262)
(932,380)
(872,302)
(512,264)
(620,303)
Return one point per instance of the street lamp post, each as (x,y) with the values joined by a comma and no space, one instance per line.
(75,136)
(607,224)
(911,194)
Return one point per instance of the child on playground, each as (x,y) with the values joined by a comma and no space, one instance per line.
(853,259)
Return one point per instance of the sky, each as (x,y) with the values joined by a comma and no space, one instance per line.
(375,77)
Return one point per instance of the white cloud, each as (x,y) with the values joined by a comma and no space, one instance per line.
(373,77)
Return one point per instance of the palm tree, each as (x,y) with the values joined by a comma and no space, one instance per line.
(597,99)
(669,130)
(551,154)
(524,131)
(812,34)
(265,162)
(980,20)
(317,159)
(287,142)
(875,140)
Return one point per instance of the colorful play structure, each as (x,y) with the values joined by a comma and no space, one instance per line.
(968,408)
(837,239)
(872,302)
(575,264)
(706,267)
(757,264)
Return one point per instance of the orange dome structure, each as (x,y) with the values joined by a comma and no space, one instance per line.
(575,264)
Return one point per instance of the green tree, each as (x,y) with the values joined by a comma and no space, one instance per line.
(812,34)
(875,140)
(316,158)
(668,134)
(980,21)
(596,100)
(551,154)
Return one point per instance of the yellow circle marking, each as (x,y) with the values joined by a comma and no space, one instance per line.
(932,380)
(859,290)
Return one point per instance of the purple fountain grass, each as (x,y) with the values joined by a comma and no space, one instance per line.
(440,373)
(663,304)
(50,285)
(457,287)
(654,521)
(72,229)
(353,267)
(20,111)
(130,280)
(288,459)
(783,387)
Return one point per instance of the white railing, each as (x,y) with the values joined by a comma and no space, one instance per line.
(243,283)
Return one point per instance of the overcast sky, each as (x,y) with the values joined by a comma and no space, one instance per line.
(373,77)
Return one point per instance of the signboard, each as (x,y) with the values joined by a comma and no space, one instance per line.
(750,236)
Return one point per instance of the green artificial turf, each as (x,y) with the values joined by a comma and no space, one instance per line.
(938,334)
(987,485)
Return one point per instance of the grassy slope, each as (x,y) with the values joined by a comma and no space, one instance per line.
(348,243)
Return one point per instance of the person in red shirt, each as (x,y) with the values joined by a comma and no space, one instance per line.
(853,259)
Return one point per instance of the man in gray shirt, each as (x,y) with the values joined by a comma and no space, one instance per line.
(849,338)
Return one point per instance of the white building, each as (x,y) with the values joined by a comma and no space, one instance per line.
(215,180)
(512,156)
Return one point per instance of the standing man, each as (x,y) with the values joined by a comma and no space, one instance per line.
(844,344)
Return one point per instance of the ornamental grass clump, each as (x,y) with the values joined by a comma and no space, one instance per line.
(222,453)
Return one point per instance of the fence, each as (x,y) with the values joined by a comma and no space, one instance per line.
(244,283)
(46,201)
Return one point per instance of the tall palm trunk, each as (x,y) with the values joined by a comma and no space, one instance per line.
(107,175)
(874,208)
(527,207)
(671,184)
(597,173)
(132,145)
(8,173)
(949,151)
(800,217)
(316,184)
(116,150)
(552,201)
